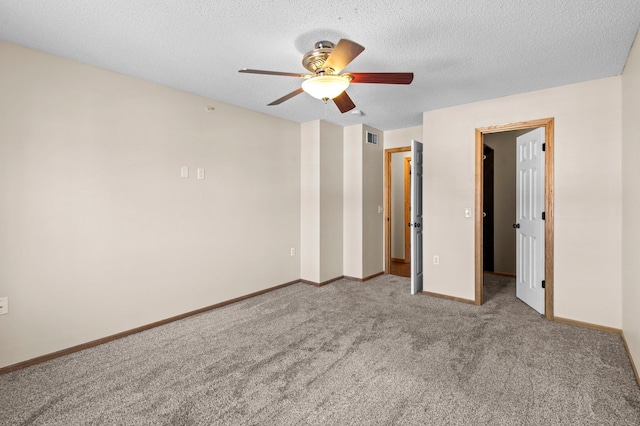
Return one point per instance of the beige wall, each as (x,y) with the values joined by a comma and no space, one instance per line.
(402,137)
(631,202)
(587,193)
(99,234)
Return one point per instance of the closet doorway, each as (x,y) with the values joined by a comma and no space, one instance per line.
(536,143)
(398,211)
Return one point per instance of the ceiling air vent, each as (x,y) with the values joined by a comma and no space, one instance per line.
(372,138)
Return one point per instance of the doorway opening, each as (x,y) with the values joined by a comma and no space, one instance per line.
(397,200)
(488,214)
(484,223)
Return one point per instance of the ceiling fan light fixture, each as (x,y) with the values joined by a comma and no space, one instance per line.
(325,87)
(325,62)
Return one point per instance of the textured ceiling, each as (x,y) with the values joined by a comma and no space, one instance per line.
(460,51)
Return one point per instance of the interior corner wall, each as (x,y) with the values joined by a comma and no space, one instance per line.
(310,201)
(321,207)
(587,280)
(353,202)
(631,202)
(372,204)
(363,193)
(331,201)
(100,234)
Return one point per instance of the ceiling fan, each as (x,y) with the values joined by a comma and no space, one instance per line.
(325,62)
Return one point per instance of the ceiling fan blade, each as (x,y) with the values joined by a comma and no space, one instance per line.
(344,102)
(287,97)
(382,77)
(286,74)
(344,52)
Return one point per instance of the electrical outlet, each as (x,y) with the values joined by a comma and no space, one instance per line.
(4,305)
(293,251)
(436,260)
(200,173)
(184,171)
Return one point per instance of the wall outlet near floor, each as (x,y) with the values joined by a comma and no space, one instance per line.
(293,251)
(436,260)
(4,305)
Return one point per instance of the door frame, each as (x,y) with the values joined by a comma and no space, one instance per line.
(387,204)
(548,124)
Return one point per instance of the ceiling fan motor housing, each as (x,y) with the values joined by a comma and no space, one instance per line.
(315,59)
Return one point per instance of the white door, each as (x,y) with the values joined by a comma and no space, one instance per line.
(529,219)
(416,217)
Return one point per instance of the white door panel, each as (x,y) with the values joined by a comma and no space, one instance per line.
(416,217)
(529,223)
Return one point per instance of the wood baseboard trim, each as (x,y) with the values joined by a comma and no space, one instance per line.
(633,365)
(397,260)
(588,325)
(444,296)
(315,284)
(361,280)
(501,274)
(78,348)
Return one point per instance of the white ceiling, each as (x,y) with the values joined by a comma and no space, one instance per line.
(460,51)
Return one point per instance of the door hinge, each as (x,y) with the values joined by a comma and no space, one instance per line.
(544,216)
(544,284)
(544,146)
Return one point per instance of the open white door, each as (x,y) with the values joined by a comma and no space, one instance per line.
(416,217)
(529,219)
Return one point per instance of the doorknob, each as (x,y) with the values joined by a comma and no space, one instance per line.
(516,225)
(409,224)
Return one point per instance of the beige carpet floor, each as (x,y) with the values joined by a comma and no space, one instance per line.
(345,354)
